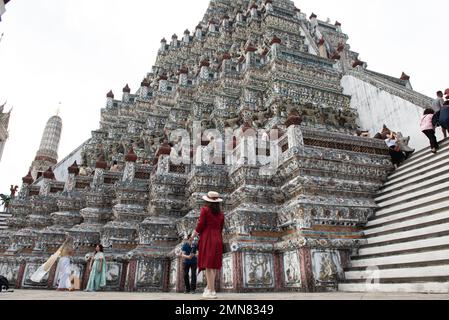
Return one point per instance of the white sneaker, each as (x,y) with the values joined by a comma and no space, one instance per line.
(206,293)
(209,295)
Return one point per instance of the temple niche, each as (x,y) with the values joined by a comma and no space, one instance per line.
(294,201)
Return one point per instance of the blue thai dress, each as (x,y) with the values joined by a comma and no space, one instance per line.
(97,279)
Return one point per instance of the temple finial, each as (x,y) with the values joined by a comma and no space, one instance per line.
(58,110)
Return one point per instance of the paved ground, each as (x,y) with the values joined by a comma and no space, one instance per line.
(54,295)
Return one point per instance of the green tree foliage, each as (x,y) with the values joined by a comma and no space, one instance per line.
(5,200)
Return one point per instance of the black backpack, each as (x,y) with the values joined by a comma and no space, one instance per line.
(4,283)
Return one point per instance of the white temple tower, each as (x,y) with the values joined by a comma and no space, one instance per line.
(47,155)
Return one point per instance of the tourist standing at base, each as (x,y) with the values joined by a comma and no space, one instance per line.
(428,129)
(97,266)
(190,264)
(437,105)
(210,229)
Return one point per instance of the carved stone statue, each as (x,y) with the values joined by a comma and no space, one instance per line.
(13,191)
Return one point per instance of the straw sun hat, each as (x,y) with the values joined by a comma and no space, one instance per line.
(213,197)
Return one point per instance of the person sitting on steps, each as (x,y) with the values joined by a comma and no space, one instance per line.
(397,156)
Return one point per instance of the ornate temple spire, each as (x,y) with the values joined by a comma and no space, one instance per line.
(47,155)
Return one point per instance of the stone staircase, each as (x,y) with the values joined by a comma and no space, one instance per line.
(3,218)
(407,246)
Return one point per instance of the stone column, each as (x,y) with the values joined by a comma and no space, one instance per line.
(275,47)
(126,94)
(129,211)
(20,207)
(307,278)
(109,100)
(68,215)
(98,211)
(144,88)
(158,234)
(295,137)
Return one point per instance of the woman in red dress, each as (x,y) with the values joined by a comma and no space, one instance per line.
(210,246)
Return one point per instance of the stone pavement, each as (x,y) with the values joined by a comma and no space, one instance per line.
(54,295)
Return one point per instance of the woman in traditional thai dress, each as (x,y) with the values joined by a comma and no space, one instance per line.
(65,270)
(43,270)
(97,263)
(210,254)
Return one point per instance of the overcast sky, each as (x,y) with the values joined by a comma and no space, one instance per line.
(75,51)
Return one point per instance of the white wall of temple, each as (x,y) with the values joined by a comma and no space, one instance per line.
(61,169)
(377,107)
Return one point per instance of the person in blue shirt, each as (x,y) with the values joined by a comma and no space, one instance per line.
(190,263)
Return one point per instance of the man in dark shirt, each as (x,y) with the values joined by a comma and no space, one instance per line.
(190,263)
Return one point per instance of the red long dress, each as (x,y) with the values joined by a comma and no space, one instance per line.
(210,247)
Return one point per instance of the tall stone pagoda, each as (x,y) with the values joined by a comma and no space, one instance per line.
(47,155)
(295,203)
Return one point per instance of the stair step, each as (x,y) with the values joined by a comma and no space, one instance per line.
(423,211)
(417,194)
(422,287)
(420,168)
(413,204)
(419,159)
(438,171)
(407,241)
(421,257)
(373,278)
(422,155)
(437,178)
(408,224)
(409,273)
(406,247)
(426,232)
(404,266)
(424,152)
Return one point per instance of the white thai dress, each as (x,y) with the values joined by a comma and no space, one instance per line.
(65,271)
